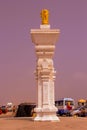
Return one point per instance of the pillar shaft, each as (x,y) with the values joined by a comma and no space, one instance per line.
(44,40)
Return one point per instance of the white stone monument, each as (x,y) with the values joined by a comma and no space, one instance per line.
(44,40)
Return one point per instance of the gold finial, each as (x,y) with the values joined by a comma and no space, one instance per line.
(45,16)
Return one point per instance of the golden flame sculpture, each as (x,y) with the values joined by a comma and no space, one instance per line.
(45,16)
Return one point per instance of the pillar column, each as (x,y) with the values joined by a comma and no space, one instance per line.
(44,40)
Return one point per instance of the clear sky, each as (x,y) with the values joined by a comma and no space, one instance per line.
(17,53)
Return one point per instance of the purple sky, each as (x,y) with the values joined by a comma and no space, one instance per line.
(17,53)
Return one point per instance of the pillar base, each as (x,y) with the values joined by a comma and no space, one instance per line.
(46,114)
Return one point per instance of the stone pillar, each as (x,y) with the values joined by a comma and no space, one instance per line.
(44,40)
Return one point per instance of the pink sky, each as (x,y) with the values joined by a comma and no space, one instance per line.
(17,53)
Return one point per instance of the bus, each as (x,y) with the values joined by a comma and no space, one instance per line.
(65,105)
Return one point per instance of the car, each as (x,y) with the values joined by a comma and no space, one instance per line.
(9,106)
(80,111)
(4,109)
(0,110)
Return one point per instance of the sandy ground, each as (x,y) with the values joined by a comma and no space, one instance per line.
(66,123)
